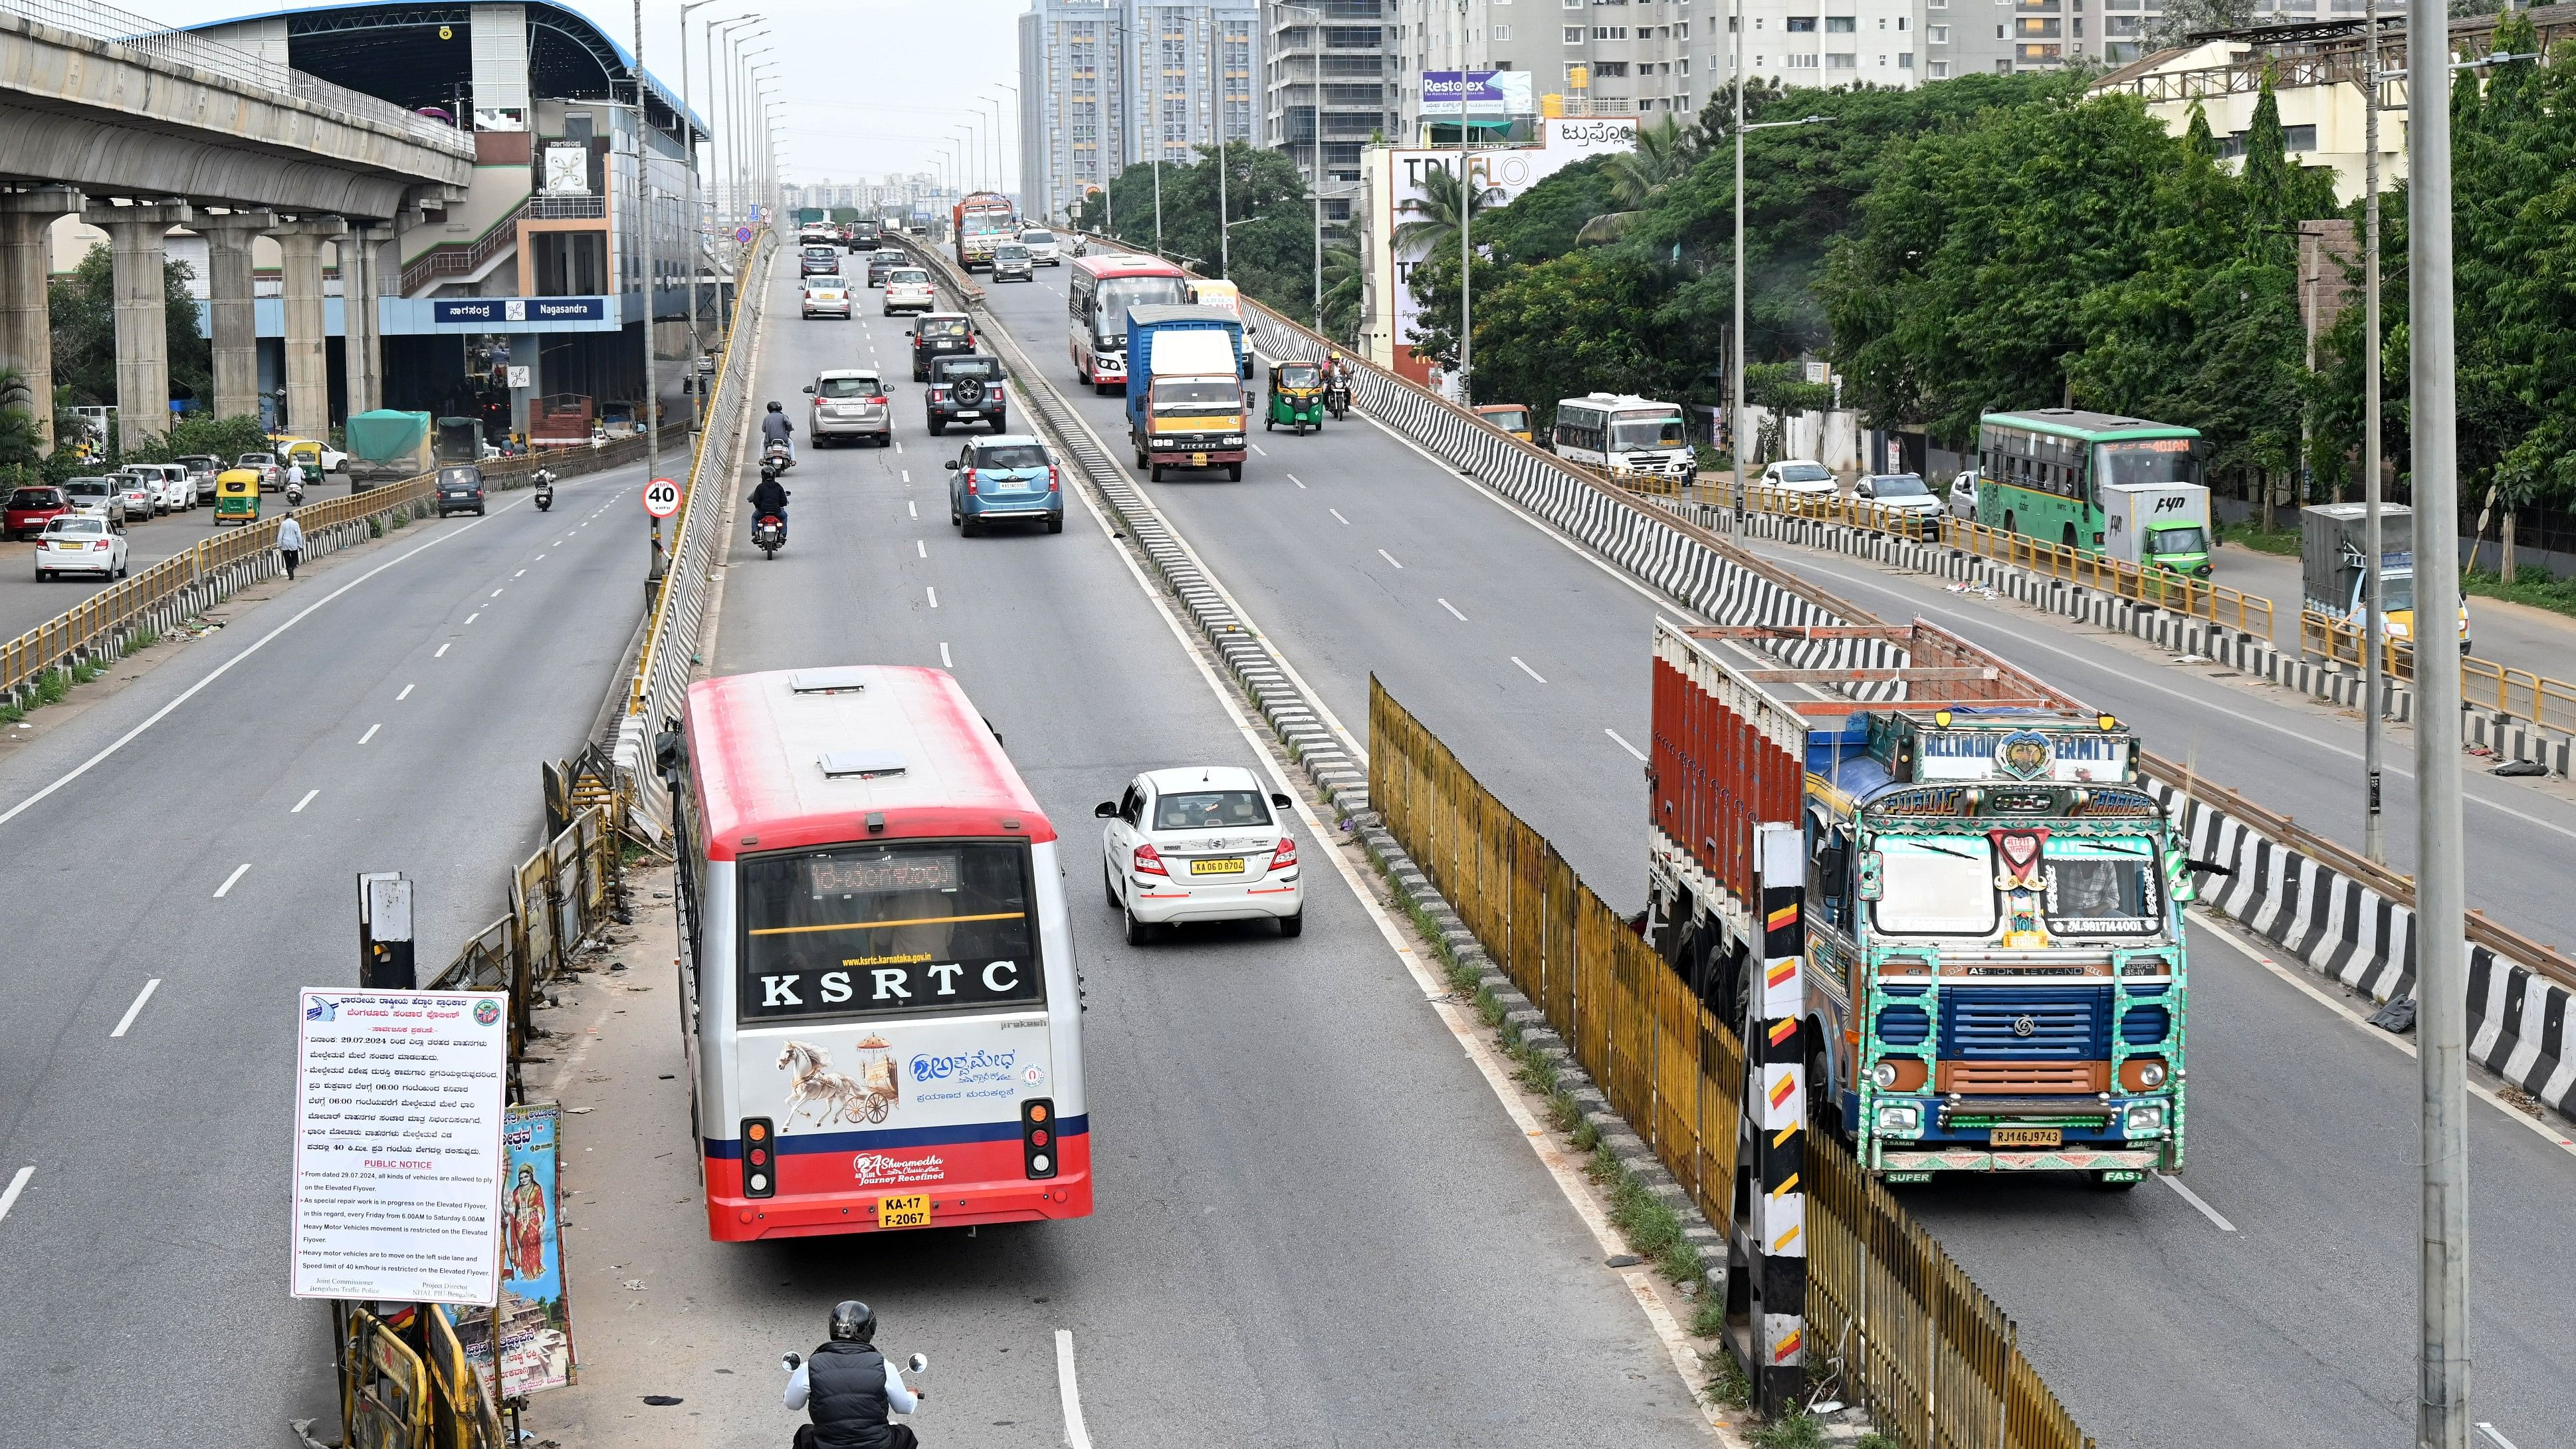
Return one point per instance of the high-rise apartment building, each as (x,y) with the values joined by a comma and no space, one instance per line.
(1334,77)
(1108,83)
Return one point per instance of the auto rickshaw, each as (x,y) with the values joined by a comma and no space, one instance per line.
(1296,397)
(236,496)
(308,453)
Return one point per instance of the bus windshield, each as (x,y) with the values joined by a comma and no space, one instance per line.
(2146,460)
(867,930)
(2103,888)
(1646,430)
(1935,886)
(1117,294)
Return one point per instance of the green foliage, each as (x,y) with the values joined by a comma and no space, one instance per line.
(83,304)
(2530,586)
(1273,237)
(1793,1430)
(1725,1385)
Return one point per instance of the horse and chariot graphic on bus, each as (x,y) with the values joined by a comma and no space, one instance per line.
(839,1096)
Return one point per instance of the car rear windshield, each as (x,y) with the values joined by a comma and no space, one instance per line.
(75,525)
(1037,236)
(1011,455)
(457,478)
(847,387)
(1211,810)
(870,930)
(889,256)
(821,254)
(88,488)
(907,274)
(36,498)
(983,367)
(943,326)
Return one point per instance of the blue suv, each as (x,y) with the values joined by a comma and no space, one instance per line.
(1005,479)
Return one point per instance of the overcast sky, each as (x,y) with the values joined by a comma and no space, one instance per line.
(871,86)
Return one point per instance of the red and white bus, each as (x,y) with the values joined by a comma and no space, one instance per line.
(878,988)
(1100,290)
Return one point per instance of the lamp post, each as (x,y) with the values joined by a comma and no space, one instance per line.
(730,81)
(1315,157)
(1735,394)
(996,103)
(697,222)
(1001,154)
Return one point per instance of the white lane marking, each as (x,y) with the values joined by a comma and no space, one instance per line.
(1337,513)
(470,618)
(230,881)
(898,447)
(1623,744)
(558,543)
(220,670)
(406,693)
(443,648)
(934,595)
(136,1009)
(540,558)
(18,1184)
(920,549)
(911,509)
(1077,1435)
(307,800)
(496,593)
(1525,669)
(944,661)
(1390,558)
(1265,452)
(371,732)
(2194,1199)
(523,573)
(1293,478)
(907,475)
(1453,611)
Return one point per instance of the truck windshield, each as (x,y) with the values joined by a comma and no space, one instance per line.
(2145,460)
(1196,397)
(1646,430)
(1117,294)
(2103,888)
(1935,886)
(2396,594)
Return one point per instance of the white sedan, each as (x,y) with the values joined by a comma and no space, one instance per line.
(1801,475)
(1199,844)
(79,544)
(908,289)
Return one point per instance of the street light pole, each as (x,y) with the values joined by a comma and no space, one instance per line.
(1002,154)
(1736,403)
(696,230)
(644,258)
(2373,843)
(2441,982)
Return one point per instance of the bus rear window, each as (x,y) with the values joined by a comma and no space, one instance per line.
(873,930)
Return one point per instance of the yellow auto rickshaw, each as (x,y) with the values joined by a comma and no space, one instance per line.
(236,496)
(306,452)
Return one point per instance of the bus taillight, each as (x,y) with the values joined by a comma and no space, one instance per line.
(759,1158)
(1037,1137)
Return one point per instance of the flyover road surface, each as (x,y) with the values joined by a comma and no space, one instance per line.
(2289,1325)
(1315,1224)
(192,867)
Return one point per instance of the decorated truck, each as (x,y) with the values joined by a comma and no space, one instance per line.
(980,221)
(1943,876)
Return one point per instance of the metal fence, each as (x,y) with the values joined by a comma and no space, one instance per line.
(186,584)
(1935,1360)
(558,896)
(2484,684)
(410,1388)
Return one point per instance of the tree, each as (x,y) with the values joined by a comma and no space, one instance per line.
(1433,231)
(1664,155)
(1273,231)
(83,307)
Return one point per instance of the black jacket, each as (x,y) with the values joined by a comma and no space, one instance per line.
(846,1394)
(769,497)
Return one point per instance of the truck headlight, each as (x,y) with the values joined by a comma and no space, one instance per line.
(1883,1076)
(2143,1119)
(1898,1118)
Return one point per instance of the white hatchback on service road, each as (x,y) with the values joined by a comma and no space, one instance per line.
(1800,475)
(1200,844)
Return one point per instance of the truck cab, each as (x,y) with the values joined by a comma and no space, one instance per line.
(2335,572)
(1186,407)
(2159,526)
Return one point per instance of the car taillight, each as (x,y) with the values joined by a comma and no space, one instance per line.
(759,1158)
(1051,483)
(971,485)
(939,394)
(1149,861)
(1039,1149)
(1285,856)
(879,400)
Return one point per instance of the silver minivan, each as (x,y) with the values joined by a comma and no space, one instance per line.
(849,402)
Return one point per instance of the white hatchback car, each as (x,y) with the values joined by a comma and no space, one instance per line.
(1200,844)
(908,289)
(79,544)
(828,296)
(1898,493)
(1800,475)
(178,486)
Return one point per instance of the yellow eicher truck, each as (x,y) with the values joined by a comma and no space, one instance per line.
(1186,407)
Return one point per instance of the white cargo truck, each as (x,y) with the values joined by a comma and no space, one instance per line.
(2158,526)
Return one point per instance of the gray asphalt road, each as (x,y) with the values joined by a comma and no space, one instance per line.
(2293,1329)
(25,602)
(1315,1225)
(385,712)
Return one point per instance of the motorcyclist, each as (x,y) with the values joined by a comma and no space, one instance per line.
(770,499)
(850,1388)
(775,428)
(1337,374)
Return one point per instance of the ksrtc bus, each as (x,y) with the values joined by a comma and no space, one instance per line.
(2041,473)
(878,990)
(1099,291)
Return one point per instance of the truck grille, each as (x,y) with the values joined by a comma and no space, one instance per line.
(2026,1024)
(1994,1078)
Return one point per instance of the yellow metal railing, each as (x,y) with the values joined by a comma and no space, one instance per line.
(1934,1358)
(2484,684)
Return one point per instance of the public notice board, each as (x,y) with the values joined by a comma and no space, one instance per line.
(399,1098)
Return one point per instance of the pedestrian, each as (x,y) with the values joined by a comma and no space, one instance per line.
(290,542)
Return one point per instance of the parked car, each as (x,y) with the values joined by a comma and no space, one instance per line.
(1042,246)
(828,296)
(1004,480)
(1898,493)
(203,467)
(322,457)
(849,402)
(936,335)
(28,510)
(142,495)
(460,490)
(1012,263)
(78,544)
(1801,475)
(271,477)
(882,261)
(96,498)
(964,390)
(1199,844)
(178,485)
(908,289)
(1963,495)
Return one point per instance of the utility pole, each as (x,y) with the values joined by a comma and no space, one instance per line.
(2441,979)
(2373,841)
(1216,117)
(1735,345)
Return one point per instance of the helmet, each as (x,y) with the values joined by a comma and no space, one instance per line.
(1337,354)
(853,1321)
(774,407)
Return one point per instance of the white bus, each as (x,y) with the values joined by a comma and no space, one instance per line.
(876,969)
(1623,433)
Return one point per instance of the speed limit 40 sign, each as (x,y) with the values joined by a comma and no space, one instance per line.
(661,498)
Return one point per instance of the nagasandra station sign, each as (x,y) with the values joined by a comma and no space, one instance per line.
(399,1101)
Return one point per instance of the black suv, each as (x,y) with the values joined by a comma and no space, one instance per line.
(965,390)
(884,260)
(936,335)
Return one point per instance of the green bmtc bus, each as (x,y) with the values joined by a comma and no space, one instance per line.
(2041,473)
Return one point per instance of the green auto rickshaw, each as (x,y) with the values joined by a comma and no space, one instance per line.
(1296,396)
(237,496)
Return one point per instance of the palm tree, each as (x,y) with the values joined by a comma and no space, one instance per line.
(1666,152)
(1342,273)
(1434,228)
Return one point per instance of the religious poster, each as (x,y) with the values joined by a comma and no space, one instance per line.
(535,1313)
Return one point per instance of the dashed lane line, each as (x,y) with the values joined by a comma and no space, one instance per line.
(1077,1435)
(1616,739)
(1337,515)
(1525,669)
(232,880)
(307,800)
(934,595)
(136,1009)
(443,648)
(406,693)
(18,1184)
(1390,558)
(1453,611)
(371,732)
(944,661)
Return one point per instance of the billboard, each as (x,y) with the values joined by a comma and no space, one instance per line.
(1496,93)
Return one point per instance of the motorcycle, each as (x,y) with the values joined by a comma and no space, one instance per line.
(1337,399)
(913,1368)
(776,459)
(545,489)
(295,495)
(769,535)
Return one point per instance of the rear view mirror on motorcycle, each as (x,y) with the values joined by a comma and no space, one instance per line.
(920,1361)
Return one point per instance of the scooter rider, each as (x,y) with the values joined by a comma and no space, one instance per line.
(776,429)
(850,1388)
(770,498)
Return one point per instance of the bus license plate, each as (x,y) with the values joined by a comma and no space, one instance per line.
(2028,1136)
(909,1211)
(1230,865)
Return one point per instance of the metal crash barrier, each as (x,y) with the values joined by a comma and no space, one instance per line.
(1937,1363)
(560,895)
(2484,684)
(407,1384)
